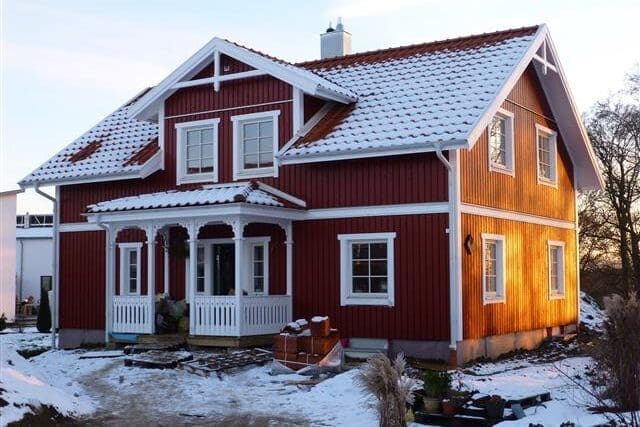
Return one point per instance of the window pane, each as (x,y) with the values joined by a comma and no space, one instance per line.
(207,165)
(193,152)
(258,268)
(251,161)
(200,284)
(360,268)
(491,284)
(266,159)
(133,285)
(193,137)
(378,268)
(133,257)
(266,145)
(193,166)
(266,128)
(360,251)
(378,251)
(206,136)
(360,285)
(251,146)
(379,285)
(258,253)
(258,285)
(207,150)
(250,130)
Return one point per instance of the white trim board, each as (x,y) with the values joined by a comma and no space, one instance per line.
(75,227)
(516,216)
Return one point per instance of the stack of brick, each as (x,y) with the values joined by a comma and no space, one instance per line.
(302,343)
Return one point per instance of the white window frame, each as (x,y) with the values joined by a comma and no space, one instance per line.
(561,292)
(347,297)
(500,296)
(125,248)
(239,172)
(509,168)
(181,173)
(553,139)
(252,242)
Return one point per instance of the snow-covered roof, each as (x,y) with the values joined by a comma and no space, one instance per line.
(118,146)
(414,96)
(248,192)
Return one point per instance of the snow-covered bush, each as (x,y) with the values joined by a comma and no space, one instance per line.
(392,389)
(619,351)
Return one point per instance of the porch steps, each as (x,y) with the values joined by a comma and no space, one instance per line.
(363,348)
(239,342)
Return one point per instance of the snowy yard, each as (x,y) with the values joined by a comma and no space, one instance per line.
(104,390)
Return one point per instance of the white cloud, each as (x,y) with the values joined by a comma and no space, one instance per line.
(362,8)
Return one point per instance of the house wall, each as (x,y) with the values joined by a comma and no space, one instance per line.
(528,306)
(8,254)
(34,258)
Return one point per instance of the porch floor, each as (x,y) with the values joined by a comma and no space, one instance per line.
(201,340)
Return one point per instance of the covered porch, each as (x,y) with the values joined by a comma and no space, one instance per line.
(238,284)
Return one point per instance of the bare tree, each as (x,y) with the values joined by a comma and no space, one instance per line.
(614,129)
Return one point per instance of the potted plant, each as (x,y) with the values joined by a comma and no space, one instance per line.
(436,384)
(456,399)
(495,407)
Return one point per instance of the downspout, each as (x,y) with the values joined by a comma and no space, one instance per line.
(454,258)
(54,272)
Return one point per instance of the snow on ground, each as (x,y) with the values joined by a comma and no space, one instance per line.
(590,312)
(24,383)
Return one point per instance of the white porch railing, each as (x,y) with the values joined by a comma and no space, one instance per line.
(259,315)
(131,314)
(215,315)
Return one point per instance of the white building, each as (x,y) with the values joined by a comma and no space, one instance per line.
(34,254)
(8,253)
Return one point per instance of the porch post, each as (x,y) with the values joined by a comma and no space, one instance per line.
(193,258)
(110,249)
(151,276)
(165,265)
(238,240)
(288,230)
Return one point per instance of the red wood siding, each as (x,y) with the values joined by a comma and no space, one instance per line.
(421,309)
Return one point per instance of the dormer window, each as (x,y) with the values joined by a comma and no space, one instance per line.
(197,151)
(501,142)
(255,142)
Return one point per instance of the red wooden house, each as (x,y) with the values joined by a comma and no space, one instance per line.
(423,197)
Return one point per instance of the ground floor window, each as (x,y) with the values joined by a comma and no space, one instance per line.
(556,269)
(493,268)
(259,268)
(130,268)
(367,268)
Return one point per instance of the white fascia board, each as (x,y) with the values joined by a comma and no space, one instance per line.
(79,180)
(310,124)
(490,110)
(281,194)
(328,157)
(378,210)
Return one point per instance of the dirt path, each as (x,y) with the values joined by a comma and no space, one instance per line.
(141,403)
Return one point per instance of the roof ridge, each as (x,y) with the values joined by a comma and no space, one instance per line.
(316,63)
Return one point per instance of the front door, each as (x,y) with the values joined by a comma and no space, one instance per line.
(223,260)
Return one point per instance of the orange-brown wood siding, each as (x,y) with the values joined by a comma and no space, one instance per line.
(521,192)
(528,305)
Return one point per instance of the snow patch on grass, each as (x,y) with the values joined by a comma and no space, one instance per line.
(590,312)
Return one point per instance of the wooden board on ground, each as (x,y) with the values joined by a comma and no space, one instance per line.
(155,359)
(102,354)
(142,348)
(223,362)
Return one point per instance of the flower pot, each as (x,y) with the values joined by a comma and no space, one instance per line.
(431,404)
(449,408)
(495,408)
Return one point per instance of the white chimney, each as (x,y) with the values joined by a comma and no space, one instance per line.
(335,42)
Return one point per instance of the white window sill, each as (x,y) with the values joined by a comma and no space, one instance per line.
(501,169)
(255,173)
(367,300)
(193,179)
(547,182)
(494,300)
(556,295)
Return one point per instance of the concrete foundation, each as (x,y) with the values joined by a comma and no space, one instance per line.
(74,338)
(428,350)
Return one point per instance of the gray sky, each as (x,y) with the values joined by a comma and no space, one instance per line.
(67,64)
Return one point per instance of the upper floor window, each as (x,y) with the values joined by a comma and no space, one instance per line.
(255,143)
(556,269)
(501,142)
(367,268)
(197,151)
(493,268)
(130,268)
(547,155)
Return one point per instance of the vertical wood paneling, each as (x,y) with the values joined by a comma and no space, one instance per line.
(528,305)
(521,193)
(421,277)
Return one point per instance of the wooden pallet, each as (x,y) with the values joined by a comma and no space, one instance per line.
(224,362)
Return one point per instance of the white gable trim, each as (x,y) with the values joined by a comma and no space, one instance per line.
(297,77)
(557,91)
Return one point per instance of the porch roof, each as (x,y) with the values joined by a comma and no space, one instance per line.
(253,193)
